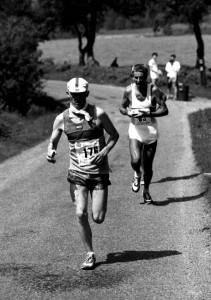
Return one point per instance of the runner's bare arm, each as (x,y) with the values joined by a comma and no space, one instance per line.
(108,126)
(158,101)
(58,128)
(124,106)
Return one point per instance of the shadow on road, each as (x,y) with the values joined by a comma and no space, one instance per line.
(48,279)
(179,199)
(177,178)
(131,255)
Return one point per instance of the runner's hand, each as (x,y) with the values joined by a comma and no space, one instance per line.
(51,156)
(97,159)
(136,113)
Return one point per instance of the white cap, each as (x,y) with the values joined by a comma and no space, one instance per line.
(77,85)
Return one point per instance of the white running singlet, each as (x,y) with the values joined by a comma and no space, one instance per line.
(143,129)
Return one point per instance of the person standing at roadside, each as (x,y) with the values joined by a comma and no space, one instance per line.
(154,70)
(142,103)
(84,125)
(172,68)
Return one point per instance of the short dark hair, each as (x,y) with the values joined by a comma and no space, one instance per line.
(173,55)
(154,53)
(140,68)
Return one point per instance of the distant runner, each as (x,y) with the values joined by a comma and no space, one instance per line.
(84,125)
(142,102)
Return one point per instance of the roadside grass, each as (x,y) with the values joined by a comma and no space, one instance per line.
(200,124)
(18,133)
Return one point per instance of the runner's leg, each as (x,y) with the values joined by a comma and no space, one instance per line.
(99,205)
(148,157)
(79,195)
(174,87)
(136,154)
(169,85)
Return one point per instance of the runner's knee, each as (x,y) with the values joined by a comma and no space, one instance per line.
(98,218)
(81,214)
(135,161)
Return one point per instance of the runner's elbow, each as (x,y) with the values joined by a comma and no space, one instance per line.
(116,136)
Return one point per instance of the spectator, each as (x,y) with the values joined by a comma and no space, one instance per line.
(153,67)
(172,68)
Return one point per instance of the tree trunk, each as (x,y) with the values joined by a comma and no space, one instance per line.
(89,25)
(91,33)
(82,51)
(200,42)
(200,62)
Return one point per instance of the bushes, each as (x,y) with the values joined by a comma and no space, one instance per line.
(20,74)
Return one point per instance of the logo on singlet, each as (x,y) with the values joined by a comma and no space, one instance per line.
(79,127)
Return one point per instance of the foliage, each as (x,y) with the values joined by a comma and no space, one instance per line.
(84,16)
(20,75)
(16,8)
(45,17)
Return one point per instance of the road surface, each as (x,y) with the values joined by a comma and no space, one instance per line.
(143,251)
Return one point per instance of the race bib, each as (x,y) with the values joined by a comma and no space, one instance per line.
(144,120)
(86,150)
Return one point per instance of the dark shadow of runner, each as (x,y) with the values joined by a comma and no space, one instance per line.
(132,255)
(166,179)
(179,199)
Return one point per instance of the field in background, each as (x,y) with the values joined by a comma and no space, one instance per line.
(130,48)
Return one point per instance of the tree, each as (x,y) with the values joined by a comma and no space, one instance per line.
(45,17)
(20,75)
(84,17)
(195,11)
(15,8)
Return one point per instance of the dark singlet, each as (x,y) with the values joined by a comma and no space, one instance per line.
(85,140)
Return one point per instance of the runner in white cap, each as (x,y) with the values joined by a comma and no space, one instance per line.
(143,102)
(84,125)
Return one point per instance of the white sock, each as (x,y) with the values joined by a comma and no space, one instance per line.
(90,253)
(137,174)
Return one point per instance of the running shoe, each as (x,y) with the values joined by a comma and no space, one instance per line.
(136,184)
(89,262)
(147,197)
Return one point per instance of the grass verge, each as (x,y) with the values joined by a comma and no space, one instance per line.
(200,123)
(18,133)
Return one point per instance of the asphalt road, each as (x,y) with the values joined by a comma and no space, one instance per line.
(143,251)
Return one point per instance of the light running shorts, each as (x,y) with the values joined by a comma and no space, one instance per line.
(147,134)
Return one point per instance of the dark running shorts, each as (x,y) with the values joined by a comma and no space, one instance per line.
(90,181)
